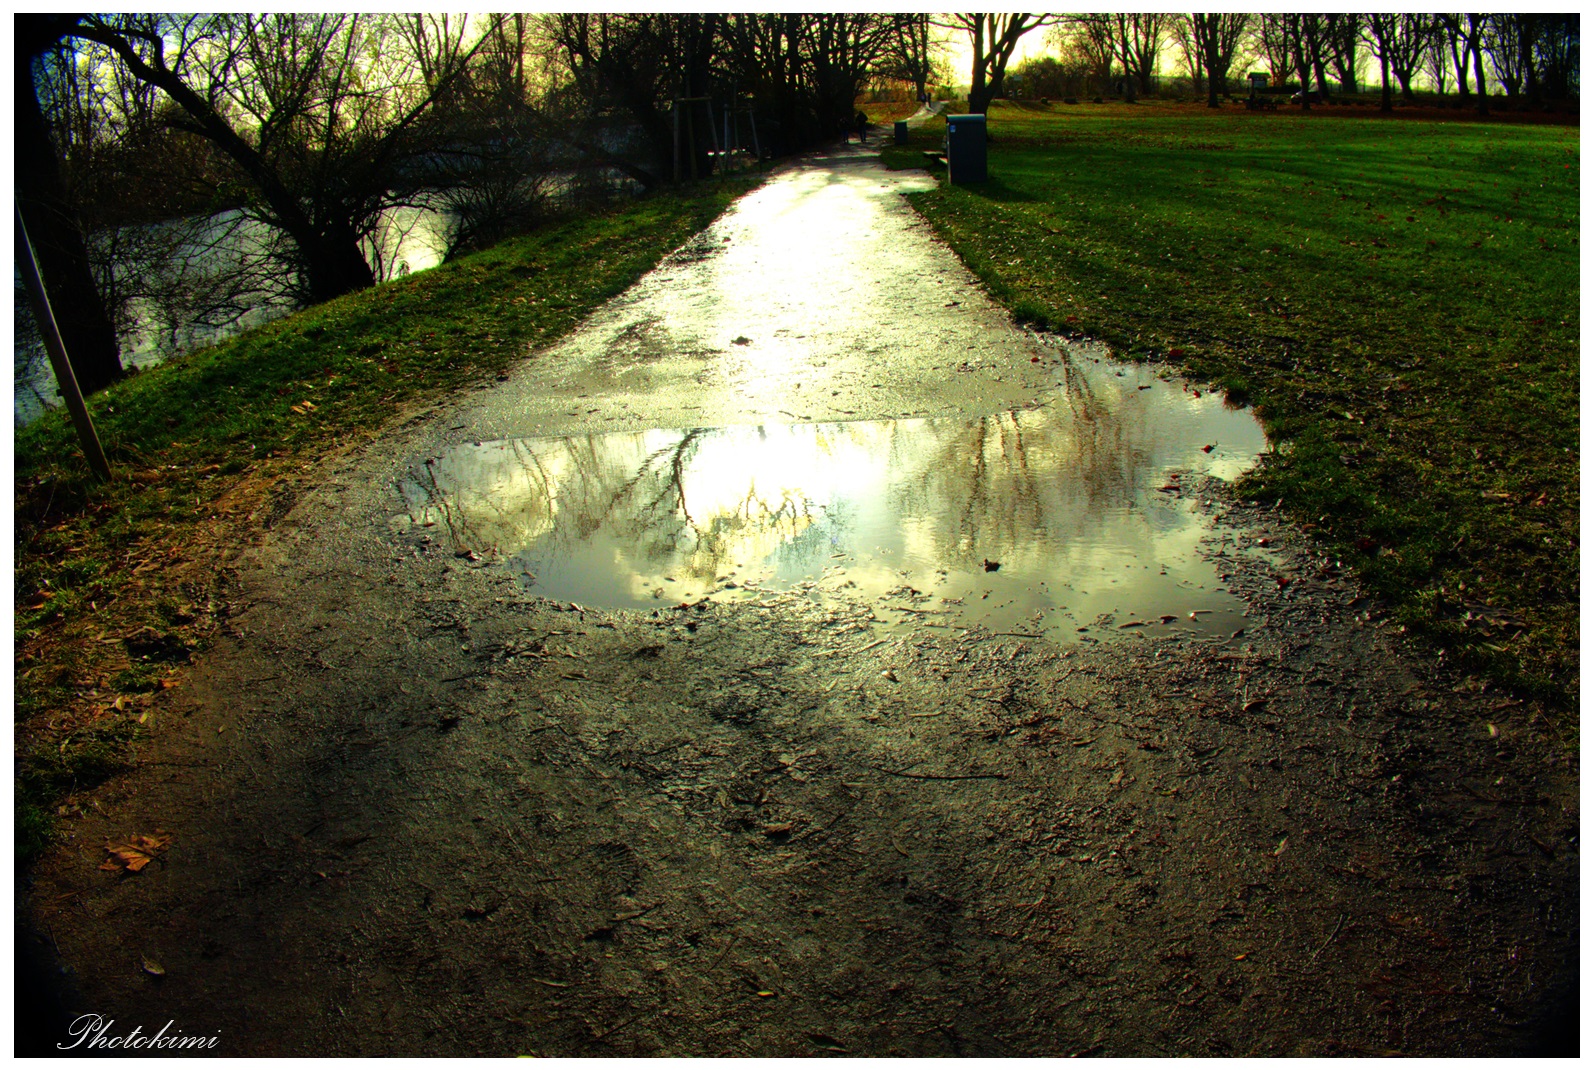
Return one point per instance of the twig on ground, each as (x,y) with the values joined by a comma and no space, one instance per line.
(1340,919)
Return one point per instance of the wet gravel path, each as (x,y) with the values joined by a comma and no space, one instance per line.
(414,810)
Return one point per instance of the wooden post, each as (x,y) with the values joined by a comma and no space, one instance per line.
(690,131)
(675,110)
(64,376)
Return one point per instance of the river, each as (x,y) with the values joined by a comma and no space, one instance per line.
(217,280)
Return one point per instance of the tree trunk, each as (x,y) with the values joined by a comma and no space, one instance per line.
(978,94)
(1527,59)
(86,329)
(1481,105)
(1461,65)
(333,265)
(1302,63)
(1386,82)
(1403,76)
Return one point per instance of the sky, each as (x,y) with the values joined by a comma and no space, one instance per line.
(959,52)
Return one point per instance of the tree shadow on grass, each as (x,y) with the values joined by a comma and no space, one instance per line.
(996,189)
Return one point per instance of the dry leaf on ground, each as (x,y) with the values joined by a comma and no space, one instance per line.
(136,853)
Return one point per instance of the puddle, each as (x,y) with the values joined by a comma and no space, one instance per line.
(1075,500)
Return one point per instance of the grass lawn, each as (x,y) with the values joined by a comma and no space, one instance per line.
(114,581)
(1399,298)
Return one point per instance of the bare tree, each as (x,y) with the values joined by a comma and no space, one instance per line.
(638,65)
(913,53)
(1316,42)
(1381,33)
(1217,37)
(1407,44)
(322,115)
(1342,35)
(1275,45)
(1477,32)
(1090,40)
(1292,45)
(1179,31)
(1514,43)
(1139,36)
(804,71)
(1132,39)
(994,39)
(1435,64)
(1455,37)
(1558,55)
(51,216)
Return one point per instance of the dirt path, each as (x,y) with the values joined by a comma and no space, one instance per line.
(414,809)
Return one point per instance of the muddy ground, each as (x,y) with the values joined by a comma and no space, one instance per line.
(414,809)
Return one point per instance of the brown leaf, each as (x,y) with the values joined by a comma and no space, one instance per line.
(136,853)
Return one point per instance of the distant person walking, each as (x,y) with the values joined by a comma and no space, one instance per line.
(861,127)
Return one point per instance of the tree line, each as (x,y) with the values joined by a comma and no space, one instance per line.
(313,128)
(1533,57)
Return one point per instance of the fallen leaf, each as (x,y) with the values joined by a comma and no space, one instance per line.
(136,853)
(153,968)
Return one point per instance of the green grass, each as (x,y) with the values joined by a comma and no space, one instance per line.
(1400,299)
(107,589)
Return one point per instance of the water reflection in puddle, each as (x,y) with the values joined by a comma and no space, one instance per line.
(1064,519)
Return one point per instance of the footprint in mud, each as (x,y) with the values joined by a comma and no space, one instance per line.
(615,868)
(741,706)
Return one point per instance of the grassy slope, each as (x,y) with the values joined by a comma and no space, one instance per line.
(1400,299)
(199,442)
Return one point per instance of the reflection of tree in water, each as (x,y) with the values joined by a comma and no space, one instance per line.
(1017,481)
(503,498)
(652,508)
(1028,487)
(468,497)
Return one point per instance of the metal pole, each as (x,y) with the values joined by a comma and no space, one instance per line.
(64,376)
